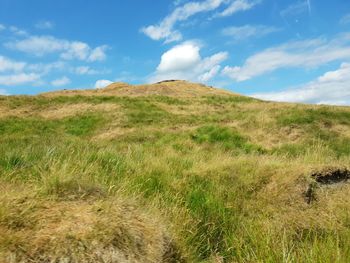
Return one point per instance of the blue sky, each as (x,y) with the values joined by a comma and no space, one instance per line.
(290,50)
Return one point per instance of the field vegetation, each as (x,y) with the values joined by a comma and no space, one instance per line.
(173,172)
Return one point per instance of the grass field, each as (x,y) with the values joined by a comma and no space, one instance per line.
(170,177)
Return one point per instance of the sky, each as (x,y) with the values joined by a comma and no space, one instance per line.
(282,50)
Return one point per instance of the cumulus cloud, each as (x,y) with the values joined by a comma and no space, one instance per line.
(7,64)
(98,54)
(75,50)
(61,82)
(14,72)
(300,54)
(102,83)
(44,25)
(179,58)
(185,62)
(165,29)
(38,45)
(333,88)
(68,50)
(248,31)
(19,79)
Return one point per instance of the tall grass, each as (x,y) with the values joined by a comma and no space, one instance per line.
(220,195)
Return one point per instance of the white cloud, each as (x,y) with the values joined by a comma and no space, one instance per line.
(85,70)
(61,82)
(181,57)
(25,72)
(18,79)
(2,27)
(248,31)
(98,54)
(68,50)
(75,50)
(17,31)
(300,54)
(345,20)
(102,83)
(184,62)
(331,88)
(44,25)
(38,45)
(45,68)
(165,29)
(296,9)
(237,6)
(209,74)
(7,64)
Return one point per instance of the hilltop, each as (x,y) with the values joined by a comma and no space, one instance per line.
(172,172)
(171,88)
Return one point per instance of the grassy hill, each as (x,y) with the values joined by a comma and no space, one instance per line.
(172,172)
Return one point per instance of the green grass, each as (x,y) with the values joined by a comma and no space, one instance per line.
(20,126)
(225,183)
(219,100)
(225,137)
(325,115)
(82,125)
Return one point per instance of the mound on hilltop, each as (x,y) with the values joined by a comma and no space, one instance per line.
(173,88)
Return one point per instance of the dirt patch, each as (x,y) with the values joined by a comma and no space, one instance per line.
(331,176)
(325,177)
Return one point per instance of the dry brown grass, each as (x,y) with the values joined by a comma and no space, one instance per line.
(80,231)
(59,112)
(6,111)
(193,108)
(177,89)
(112,133)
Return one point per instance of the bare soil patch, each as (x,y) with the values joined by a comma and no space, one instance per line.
(325,177)
(331,176)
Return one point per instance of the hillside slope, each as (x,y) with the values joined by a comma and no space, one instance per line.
(170,88)
(172,172)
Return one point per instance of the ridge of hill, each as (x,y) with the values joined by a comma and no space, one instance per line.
(172,88)
(172,172)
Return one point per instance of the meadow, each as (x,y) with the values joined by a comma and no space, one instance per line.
(170,177)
